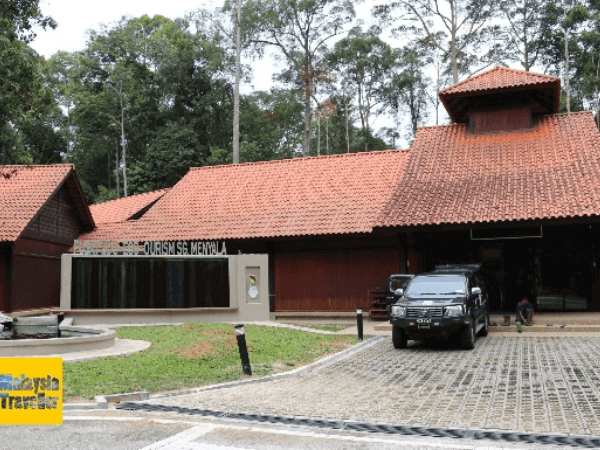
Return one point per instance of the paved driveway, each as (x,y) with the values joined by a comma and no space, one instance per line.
(541,384)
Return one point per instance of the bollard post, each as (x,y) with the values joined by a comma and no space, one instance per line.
(359,323)
(60,317)
(241,339)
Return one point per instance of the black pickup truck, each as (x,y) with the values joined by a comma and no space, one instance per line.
(450,301)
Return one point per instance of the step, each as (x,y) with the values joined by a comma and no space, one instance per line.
(583,328)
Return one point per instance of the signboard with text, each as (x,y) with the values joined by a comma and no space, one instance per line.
(31,391)
(173,248)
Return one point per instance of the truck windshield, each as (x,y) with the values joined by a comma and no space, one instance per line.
(398,283)
(437,285)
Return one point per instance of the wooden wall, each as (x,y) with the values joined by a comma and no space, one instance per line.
(4,277)
(36,254)
(330,280)
(56,222)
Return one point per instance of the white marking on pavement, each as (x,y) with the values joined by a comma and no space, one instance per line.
(125,419)
(182,441)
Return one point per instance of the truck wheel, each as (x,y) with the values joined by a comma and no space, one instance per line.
(486,327)
(398,337)
(467,336)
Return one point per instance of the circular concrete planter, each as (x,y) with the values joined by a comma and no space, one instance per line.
(89,339)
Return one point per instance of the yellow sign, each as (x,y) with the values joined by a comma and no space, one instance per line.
(31,391)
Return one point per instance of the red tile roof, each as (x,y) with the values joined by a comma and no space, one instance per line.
(122,209)
(499,78)
(24,190)
(454,176)
(305,196)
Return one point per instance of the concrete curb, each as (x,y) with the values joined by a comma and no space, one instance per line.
(320,363)
(102,401)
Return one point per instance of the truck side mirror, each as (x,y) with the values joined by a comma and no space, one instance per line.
(476,291)
(399,292)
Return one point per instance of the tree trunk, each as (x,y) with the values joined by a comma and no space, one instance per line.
(124,151)
(117,168)
(236,94)
(567,75)
(597,109)
(526,63)
(319,133)
(307,106)
(346,108)
(347,129)
(306,138)
(362,115)
(327,137)
(454,56)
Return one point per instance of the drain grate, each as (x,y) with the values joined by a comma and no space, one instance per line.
(497,436)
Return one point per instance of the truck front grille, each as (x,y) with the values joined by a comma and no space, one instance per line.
(423,312)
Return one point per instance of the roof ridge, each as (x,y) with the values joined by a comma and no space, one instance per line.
(441,126)
(497,67)
(32,166)
(130,196)
(306,158)
(566,114)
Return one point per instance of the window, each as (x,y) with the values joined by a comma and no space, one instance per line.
(170,283)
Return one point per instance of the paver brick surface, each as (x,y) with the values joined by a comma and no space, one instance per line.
(535,384)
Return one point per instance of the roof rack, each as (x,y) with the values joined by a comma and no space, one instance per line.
(470,267)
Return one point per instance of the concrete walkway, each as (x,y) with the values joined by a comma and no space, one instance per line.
(535,384)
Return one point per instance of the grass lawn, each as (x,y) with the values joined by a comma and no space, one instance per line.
(195,354)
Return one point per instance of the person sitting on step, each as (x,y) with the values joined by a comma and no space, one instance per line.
(524,313)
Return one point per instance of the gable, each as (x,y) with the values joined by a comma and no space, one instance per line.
(56,221)
(24,190)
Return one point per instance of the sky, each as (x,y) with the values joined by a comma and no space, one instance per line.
(75,17)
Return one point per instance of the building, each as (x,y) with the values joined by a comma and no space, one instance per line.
(314,217)
(510,183)
(42,210)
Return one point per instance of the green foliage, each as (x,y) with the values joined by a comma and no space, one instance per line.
(17,17)
(521,39)
(194,355)
(300,30)
(456,28)
(27,110)
(366,62)
(148,85)
(105,194)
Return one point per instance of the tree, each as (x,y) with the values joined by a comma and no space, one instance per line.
(152,87)
(58,77)
(22,92)
(524,30)
(17,17)
(300,30)
(563,23)
(454,27)
(365,61)
(407,90)
(285,112)
(228,27)
(587,62)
